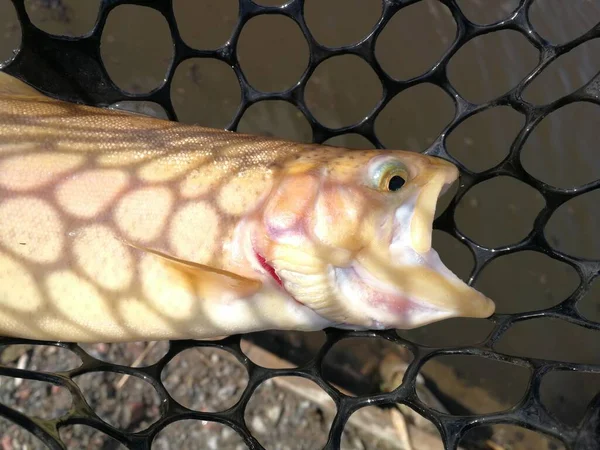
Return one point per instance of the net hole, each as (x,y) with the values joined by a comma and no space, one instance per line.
(43,358)
(509,437)
(290,409)
(350,140)
(140,354)
(207,82)
(415,39)
(347,21)
(272,64)
(414,118)
(483,140)
(499,211)
(485,13)
(188,434)
(397,426)
(77,437)
(491,65)
(355,365)
(35,398)
(467,384)
(131,404)
(455,255)
(589,305)
(15,437)
(207,24)
(567,395)
(559,22)
(297,348)
(342,90)
(526,281)
(564,75)
(64,18)
(205,379)
(450,332)
(573,227)
(276,118)
(136,48)
(10,32)
(553,339)
(562,149)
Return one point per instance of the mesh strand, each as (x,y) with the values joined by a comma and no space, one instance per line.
(72,69)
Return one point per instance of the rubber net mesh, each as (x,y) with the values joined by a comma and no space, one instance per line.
(72,69)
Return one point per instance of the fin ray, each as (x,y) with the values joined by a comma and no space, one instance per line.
(208,279)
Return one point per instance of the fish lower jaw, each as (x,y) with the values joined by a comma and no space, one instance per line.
(376,305)
(431,261)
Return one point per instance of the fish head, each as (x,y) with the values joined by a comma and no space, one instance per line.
(348,233)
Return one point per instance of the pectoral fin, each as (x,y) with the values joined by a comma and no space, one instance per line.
(208,280)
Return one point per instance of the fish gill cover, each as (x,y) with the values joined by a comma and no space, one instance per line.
(75,68)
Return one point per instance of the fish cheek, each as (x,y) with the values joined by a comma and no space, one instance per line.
(337,217)
(290,204)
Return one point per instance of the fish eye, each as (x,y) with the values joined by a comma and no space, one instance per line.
(388,175)
(395,183)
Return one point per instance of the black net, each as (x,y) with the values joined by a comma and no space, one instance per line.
(72,69)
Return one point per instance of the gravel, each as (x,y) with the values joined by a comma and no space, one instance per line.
(202,379)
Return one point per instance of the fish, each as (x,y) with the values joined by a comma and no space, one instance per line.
(117,226)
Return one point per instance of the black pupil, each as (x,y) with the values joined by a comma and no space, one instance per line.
(395,183)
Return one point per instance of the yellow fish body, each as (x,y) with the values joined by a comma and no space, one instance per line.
(118,227)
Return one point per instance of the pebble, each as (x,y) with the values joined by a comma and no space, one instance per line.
(258,425)
(274,413)
(212,443)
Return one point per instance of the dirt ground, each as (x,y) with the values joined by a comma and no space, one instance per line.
(209,380)
(201,379)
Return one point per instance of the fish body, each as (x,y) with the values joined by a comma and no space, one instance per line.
(120,227)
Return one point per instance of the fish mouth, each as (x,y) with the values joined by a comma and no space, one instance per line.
(408,296)
(404,284)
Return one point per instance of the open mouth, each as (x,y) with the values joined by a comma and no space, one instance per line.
(407,285)
(396,295)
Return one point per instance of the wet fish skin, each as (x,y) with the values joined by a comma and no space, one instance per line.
(120,227)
